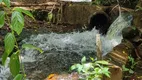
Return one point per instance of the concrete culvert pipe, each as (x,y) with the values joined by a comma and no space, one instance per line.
(100,20)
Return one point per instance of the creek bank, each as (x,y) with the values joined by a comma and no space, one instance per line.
(129,47)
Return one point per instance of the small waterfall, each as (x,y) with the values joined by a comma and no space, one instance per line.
(115,29)
(121,22)
(70,42)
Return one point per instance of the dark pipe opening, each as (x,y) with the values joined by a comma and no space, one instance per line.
(100,21)
(40,15)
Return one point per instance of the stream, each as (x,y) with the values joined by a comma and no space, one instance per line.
(63,50)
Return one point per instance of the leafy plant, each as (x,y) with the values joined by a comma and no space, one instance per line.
(94,70)
(131,65)
(50,17)
(16,25)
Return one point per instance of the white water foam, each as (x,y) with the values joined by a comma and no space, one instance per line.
(72,42)
(4,71)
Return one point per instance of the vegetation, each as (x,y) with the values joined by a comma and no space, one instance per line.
(94,70)
(13,20)
(129,68)
(11,47)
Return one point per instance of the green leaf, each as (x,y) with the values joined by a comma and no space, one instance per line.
(83,60)
(92,59)
(18,77)
(97,70)
(32,47)
(105,70)
(107,74)
(73,67)
(24,11)
(87,67)
(2,16)
(102,62)
(7,3)
(17,22)
(79,67)
(50,16)
(14,64)
(9,42)
(4,58)
(124,68)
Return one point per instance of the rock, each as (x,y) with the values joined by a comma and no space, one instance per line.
(132,34)
(119,54)
(115,73)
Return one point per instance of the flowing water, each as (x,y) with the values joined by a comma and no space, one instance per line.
(70,42)
(122,21)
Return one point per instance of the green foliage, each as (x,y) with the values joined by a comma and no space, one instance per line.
(4,57)
(131,65)
(18,77)
(2,14)
(14,64)
(16,25)
(7,2)
(83,60)
(50,16)
(9,42)
(92,70)
(125,69)
(32,47)
(17,22)
(23,11)
(132,61)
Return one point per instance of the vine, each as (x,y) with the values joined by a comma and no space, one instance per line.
(16,25)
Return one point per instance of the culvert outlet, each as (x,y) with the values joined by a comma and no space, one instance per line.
(100,21)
